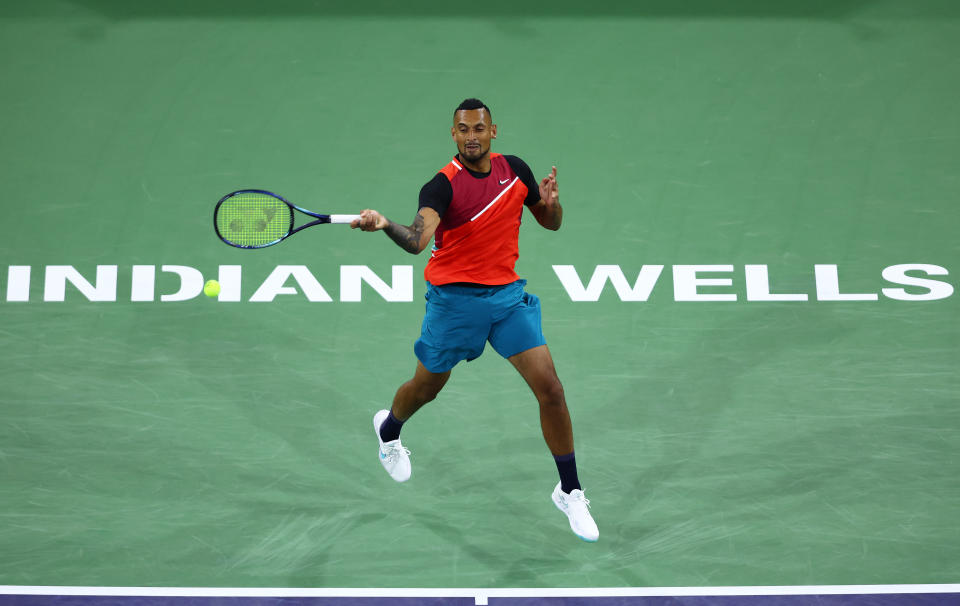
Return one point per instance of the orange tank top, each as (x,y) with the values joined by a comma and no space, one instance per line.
(477,239)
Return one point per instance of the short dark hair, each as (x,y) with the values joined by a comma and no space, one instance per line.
(472,103)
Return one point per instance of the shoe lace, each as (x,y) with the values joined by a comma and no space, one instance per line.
(393,451)
(577,496)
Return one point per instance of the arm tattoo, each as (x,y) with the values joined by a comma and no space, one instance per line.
(407,238)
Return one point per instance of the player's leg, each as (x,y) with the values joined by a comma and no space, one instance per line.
(422,388)
(452,331)
(517,336)
(536,367)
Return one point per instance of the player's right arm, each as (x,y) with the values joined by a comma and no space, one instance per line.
(411,238)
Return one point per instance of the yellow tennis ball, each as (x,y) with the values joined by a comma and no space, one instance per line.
(211,288)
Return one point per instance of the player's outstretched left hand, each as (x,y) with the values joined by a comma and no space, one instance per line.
(370,220)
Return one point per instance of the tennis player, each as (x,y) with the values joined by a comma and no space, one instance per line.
(472,209)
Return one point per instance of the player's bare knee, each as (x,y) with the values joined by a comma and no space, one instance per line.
(551,395)
(428,393)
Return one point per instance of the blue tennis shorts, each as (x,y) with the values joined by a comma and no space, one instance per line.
(460,319)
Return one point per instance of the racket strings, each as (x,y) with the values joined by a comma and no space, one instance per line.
(253,219)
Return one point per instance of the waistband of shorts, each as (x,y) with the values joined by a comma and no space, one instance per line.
(473,288)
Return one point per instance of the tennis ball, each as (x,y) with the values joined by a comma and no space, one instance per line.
(211,288)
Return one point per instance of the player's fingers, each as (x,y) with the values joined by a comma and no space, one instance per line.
(372,220)
(363,222)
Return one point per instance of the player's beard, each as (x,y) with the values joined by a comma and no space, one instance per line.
(473,155)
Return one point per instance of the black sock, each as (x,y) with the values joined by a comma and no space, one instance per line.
(390,429)
(567,466)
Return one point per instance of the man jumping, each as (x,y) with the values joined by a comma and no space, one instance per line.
(472,209)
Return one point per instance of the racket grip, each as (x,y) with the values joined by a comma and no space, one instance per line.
(343,218)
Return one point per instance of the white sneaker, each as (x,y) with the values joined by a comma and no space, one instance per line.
(393,456)
(576,506)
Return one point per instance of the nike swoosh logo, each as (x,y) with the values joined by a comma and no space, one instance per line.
(504,181)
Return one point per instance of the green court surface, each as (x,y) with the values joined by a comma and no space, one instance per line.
(206,442)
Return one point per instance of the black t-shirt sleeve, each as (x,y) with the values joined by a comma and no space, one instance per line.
(526,175)
(436,194)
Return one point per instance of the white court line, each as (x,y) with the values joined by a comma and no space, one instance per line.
(480,595)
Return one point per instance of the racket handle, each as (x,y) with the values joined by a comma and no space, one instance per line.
(343,218)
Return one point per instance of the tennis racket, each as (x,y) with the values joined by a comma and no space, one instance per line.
(254,218)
